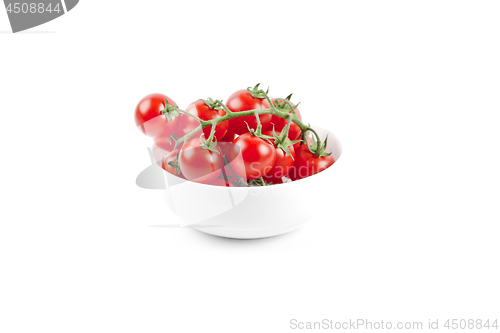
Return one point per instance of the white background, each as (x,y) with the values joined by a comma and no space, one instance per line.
(412,228)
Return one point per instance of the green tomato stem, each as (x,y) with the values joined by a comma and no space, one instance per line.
(230,115)
(188,136)
(259,125)
(224,107)
(226,162)
(284,133)
(189,114)
(212,132)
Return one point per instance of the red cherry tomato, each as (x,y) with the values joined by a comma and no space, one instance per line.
(294,132)
(171,157)
(222,182)
(280,123)
(186,125)
(198,164)
(283,161)
(242,100)
(258,156)
(296,145)
(307,164)
(229,137)
(164,143)
(204,112)
(149,118)
(235,160)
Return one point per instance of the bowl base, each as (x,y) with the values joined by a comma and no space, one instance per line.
(248,234)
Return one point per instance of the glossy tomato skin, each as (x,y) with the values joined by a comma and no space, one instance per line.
(296,145)
(242,100)
(186,125)
(164,143)
(283,161)
(307,164)
(258,156)
(204,112)
(149,118)
(294,132)
(198,164)
(228,150)
(230,135)
(280,123)
(171,157)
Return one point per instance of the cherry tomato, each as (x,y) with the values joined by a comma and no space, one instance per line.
(242,100)
(186,125)
(234,159)
(164,143)
(307,164)
(280,123)
(168,161)
(229,137)
(222,182)
(204,112)
(258,156)
(283,161)
(296,145)
(149,118)
(294,132)
(198,164)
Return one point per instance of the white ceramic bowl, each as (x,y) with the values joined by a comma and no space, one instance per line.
(246,212)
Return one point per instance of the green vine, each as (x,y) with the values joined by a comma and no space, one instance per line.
(318,149)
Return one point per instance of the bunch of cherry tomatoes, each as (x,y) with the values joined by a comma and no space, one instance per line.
(251,140)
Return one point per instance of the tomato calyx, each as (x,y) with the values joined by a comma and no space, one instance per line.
(172,137)
(258,133)
(256,92)
(177,141)
(282,141)
(317,148)
(214,105)
(285,105)
(210,143)
(170,111)
(175,164)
